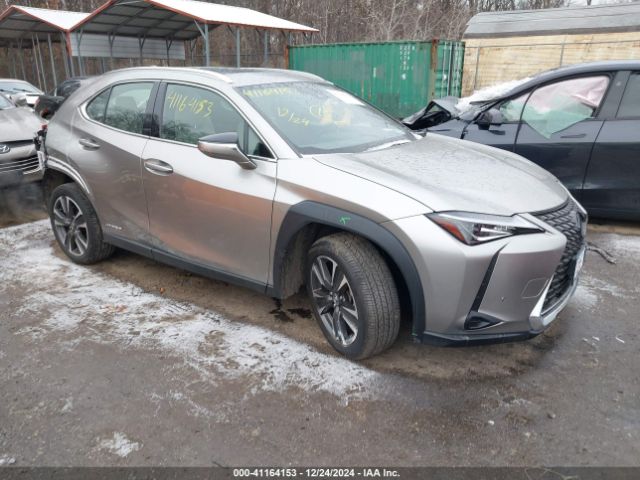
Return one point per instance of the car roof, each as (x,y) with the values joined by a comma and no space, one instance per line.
(253,76)
(231,76)
(571,70)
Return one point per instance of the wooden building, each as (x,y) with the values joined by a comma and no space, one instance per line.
(503,46)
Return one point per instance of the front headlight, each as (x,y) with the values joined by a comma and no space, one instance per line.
(476,228)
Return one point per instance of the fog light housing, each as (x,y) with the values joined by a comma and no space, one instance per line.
(477,321)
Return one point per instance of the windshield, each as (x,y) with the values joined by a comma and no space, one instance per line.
(319,118)
(15,86)
(5,103)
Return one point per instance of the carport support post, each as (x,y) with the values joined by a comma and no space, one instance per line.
(141,41)
(168,43)
(111,38)
(36,65)
(44,74)
(53,64)
(64,46)
(238,47)
(207,61)
(79,40)
(205,37)
(266,48)
(14,67)
(24,73)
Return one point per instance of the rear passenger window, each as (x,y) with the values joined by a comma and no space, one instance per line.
(127,106)
(630,106)
(97,106)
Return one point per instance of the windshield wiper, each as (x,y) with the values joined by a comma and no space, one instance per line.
(387,145)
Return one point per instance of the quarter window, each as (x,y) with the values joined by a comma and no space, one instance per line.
(557,106)
(190,113)
(97,106)
(630,106)
(512,109)
(127,106)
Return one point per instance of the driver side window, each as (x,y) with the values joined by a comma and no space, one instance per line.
(190,113)
(557,106)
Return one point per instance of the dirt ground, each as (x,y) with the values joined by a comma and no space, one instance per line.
(130,362)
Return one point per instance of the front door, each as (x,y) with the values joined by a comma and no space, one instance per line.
(206,211)
(559,127)
(612,184)
(502,134)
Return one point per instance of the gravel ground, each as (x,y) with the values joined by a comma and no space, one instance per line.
(134,363)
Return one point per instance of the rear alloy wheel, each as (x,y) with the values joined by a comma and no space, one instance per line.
(76,226)
(353,295)
(70,226)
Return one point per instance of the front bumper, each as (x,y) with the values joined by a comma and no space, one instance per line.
(487,293)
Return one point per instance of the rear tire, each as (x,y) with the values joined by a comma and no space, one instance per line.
(353,295)
(76,226)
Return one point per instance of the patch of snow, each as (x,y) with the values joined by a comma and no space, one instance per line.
(119,445)
(489,93)
(71,298)
(585,297)
(7,460)
(68,405)
(621,245)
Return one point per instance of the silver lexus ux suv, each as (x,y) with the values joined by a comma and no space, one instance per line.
(276,180)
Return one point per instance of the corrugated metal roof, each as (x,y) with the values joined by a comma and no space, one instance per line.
(17,21)
(596,18)
(175,18)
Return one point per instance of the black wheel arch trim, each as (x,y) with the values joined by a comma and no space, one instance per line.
(309,212)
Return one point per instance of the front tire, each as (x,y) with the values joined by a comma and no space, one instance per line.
(76,226)
(353,295)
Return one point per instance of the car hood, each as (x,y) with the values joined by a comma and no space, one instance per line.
(447,174)
(18,124)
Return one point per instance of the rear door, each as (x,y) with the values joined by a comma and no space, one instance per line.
(612,183)
(206,211)
(108,139)
(559,127)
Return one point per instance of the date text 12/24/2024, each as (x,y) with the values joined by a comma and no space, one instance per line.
(315,473)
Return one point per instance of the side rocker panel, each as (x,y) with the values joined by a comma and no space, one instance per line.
(308,212)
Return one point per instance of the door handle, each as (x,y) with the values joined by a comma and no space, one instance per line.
(158,167)
(88,144)
(575,135)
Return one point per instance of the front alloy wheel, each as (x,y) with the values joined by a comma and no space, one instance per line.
(353,295)
(334,300)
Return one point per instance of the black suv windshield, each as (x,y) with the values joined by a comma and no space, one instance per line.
(319,118)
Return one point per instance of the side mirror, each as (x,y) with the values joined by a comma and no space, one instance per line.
(493,116)
(20,99)
(224,146)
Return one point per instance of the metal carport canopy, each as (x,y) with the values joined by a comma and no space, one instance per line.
(19,24)
(177,20)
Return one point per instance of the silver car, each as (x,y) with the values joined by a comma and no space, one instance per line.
(18,159)
(276,180)
(16,89)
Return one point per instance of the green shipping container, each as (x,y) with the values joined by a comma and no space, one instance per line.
(397,77)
